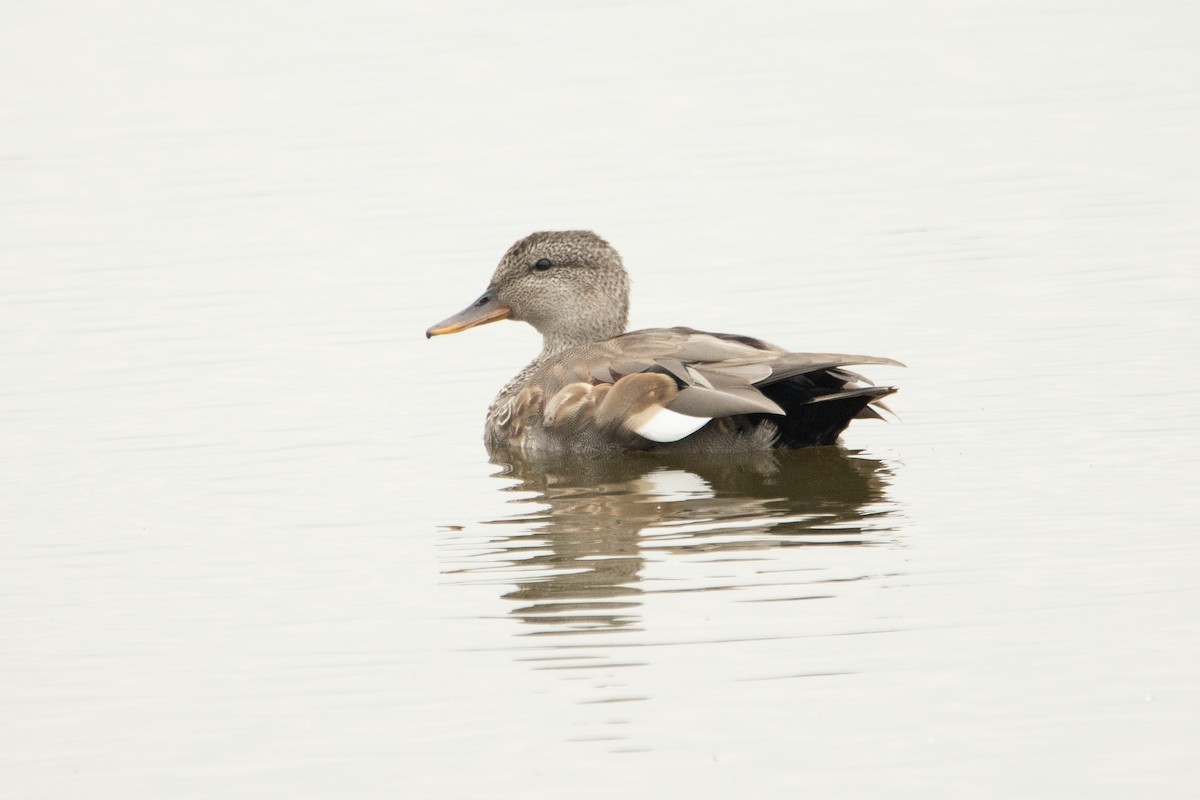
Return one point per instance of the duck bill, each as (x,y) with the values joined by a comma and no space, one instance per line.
(485,309)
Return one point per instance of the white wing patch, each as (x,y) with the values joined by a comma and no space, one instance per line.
(669,426)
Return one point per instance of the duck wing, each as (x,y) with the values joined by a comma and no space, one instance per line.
(663,384)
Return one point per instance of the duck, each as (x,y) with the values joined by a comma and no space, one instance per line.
(596,387)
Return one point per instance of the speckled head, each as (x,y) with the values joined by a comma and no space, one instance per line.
(569,285)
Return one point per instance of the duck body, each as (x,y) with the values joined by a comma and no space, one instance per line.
(596,388)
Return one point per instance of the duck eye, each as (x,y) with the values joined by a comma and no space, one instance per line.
(543,265)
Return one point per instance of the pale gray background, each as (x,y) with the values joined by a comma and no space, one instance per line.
(248,534)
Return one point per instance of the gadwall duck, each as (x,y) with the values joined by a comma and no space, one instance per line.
(596,388)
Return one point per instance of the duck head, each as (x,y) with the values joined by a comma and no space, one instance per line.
(569,285)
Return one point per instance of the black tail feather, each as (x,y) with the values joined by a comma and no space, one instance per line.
(811,420)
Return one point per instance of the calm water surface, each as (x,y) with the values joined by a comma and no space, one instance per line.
(250,542)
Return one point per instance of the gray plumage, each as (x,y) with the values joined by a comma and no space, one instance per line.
(594,387)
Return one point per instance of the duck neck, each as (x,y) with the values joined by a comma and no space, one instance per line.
(556,341)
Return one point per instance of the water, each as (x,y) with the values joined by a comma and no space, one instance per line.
(252,545)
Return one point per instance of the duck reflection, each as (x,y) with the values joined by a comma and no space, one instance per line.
(593,522)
